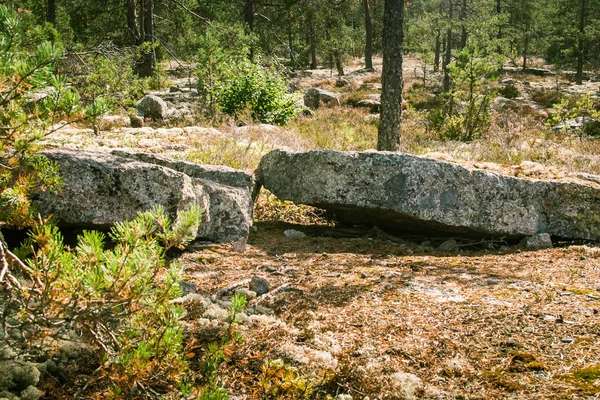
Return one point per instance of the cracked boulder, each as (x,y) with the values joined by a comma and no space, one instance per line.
(405,193)
(101,189)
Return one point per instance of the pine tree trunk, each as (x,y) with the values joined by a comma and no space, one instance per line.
(132,23)
(249,18)
(526,44)
(580,44)
(149,58)
(499,34)
(313,46)
(463,19)
(51,12)
(438,47)
(369,37)
(448,54)
(388,137)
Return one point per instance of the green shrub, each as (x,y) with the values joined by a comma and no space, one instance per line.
(509,91)
(117,300)
(259,91)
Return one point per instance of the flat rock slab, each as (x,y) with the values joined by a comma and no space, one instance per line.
(408,193)
(101,189)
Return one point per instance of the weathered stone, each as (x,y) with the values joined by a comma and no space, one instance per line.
(537,241)
(292,233)
(260,285)
(341,82)
(374,105)
(151,106)
(102,189)
(408,193)
(217,173)
(314,97)
(589,126)
(448,245)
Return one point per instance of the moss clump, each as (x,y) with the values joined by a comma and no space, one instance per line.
(520,356)
(588,374)
(537,366)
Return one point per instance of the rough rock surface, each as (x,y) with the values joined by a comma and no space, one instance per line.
(314,97)
(538,241)
(409,193)
(151,106)
(100,189)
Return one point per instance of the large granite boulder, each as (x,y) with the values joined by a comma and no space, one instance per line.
(415,194)
(100,189)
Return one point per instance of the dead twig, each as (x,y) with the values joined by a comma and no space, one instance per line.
(229,288)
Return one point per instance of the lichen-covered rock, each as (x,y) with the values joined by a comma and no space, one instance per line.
(17,376)
(101,189)
(314,97)
(409,193)
(151,106)
(537,242)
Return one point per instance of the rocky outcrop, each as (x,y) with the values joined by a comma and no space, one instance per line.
(414,194)
(314,97)
(151,106)
(101,189)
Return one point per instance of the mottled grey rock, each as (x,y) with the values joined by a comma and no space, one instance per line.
(588,125)
(314,97)
(217,173)
(17,376)
(341,82)
(374,105)
(292,233)
(537,241)
(151,106)
(260,285)
(448,245)
(102,189)
(402,192)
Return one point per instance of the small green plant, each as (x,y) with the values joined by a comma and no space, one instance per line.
(215,356)
(583,108)
(509,91)
(466,113)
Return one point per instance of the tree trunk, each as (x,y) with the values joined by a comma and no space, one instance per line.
(369,37)
(291,45)
(448,55)
(438,47)
(388,137)
(463,19)
(313,46)
(51,12)
(526,44)
(149,58)
(580,44)
(499,34)
(249,18)
(132,23)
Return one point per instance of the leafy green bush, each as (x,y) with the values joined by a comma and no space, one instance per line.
(260,91)
(116,301)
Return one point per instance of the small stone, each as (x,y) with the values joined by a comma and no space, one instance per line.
(151,106)
(136,121)
(174,89)
(260,285)
(426,243)
(448,245)
(537,241)
(363,275)
(270,268)
(292,233)
(187,287)
(567,340)
(341,82)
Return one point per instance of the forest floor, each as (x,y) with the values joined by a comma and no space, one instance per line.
(401,320)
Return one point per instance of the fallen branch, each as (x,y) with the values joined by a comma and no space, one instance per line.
(283,288)
(229,288)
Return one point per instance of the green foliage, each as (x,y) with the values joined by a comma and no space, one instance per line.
(215,355)
(570,108)
(260,91)
(467,106)
(32,100)
(280,380)
(117,300)
(509,91)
